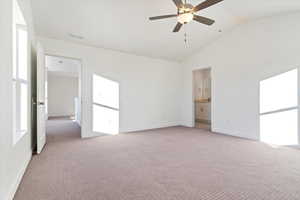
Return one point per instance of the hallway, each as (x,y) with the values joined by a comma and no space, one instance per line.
(62,129)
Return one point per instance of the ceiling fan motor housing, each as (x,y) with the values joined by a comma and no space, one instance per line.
(186,8)
(185,14)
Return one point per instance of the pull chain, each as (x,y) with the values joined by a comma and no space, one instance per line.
(185,35)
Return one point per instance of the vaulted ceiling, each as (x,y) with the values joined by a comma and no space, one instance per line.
(124,25)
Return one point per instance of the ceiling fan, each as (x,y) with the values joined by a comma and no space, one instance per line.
(186,13)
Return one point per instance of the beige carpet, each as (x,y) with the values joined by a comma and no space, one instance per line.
(167,164)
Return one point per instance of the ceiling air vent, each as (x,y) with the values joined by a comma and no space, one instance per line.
(76,36)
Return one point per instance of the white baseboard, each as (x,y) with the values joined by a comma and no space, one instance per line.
(78,122)
(151,127)
(130,130)
(17,182)
(233,133)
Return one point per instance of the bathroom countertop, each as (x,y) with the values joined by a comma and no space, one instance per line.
(202,100)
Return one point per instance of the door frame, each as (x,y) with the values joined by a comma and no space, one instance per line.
(193,96)
(80,83)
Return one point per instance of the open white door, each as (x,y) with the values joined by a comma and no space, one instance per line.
(41,107)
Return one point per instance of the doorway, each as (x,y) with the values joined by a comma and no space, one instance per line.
(63,97)
(202,98)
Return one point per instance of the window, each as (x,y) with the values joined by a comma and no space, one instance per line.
(105,106)
(279,109)
(20,74)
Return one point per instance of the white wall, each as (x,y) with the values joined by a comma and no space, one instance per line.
(62,91)
(150,89)
(239,60)
(14,159)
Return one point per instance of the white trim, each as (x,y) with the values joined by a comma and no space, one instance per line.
(134,130)
(17,81)
(152,127)
(18,180)
(81,79)
(234,133)
(193,125)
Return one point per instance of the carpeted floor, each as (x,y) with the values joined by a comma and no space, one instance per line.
(167,164)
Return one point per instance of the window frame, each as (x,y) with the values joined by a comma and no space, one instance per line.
(104,106)
(17,83)
(281,110)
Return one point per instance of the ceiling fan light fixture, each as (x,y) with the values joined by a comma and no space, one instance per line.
(185,18)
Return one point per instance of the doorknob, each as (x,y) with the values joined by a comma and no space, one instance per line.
(41,103)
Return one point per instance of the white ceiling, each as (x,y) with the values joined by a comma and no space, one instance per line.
(62,66)
(124,25)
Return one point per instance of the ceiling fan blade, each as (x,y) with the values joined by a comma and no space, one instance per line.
(205,4)
(162,17)
(203,20)
(177,27)
(178,3)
